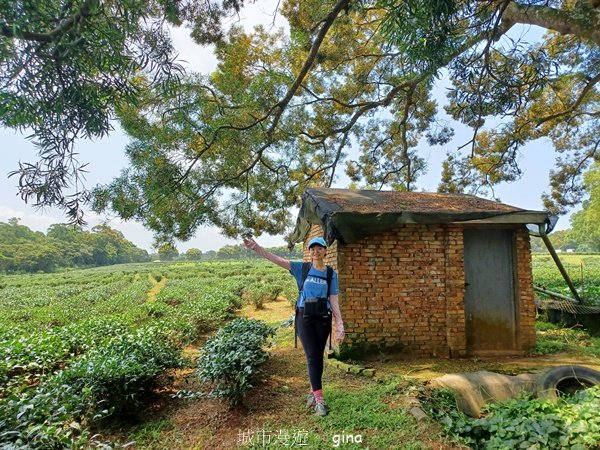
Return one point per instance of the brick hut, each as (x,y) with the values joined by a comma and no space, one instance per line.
(426,274)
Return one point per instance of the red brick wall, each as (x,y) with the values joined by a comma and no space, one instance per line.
(404,290)
(393,289)
(455,291)
(525,300)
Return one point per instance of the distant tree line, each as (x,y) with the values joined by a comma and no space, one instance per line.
(167,252)
(64,246)
(584,234)
(24,250)
(567,241)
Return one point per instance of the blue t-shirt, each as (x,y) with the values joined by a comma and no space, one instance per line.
(313,285)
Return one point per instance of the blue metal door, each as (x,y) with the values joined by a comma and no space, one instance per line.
(489,290)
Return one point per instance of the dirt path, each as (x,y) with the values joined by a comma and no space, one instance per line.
(209,423)
(157,286)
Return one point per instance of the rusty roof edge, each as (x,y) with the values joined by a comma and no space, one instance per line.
(345,200)
(348,226)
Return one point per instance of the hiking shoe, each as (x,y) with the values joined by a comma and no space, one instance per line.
(310,401)
(320,409)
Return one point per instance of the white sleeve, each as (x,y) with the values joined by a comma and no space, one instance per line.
(281,262)
(337,315)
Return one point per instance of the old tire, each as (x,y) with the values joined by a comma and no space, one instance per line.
(566,380)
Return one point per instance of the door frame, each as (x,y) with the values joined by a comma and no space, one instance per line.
(517,349)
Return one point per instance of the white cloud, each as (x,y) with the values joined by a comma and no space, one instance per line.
(192,56)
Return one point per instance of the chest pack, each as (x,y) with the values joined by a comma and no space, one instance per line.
(314,308)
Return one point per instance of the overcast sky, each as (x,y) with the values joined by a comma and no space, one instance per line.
(106,158)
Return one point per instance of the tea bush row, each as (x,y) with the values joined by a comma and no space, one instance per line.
(26,356)
(584,271)
(36,308)
(202,303)
(230,359)
(108,379)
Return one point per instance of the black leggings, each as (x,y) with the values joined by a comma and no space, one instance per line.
(314,338)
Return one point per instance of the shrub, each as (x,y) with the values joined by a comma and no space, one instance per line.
(552,340)
(46,417)
(119,373)
(525,422)
(109,379)
(230,358)
(259,293)
(210,309)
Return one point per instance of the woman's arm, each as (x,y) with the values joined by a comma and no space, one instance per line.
(337,315)
(281,262)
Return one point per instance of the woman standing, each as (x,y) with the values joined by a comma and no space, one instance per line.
(313,334)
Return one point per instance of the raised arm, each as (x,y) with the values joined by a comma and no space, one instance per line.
(281,262)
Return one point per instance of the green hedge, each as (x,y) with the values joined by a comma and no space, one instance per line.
(109,379)
(230,359)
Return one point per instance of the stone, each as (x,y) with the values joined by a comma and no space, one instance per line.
(368,373)
(474,389)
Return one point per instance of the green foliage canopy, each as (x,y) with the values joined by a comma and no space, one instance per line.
(586,223)
(65,66)
(236,148)
(280,113)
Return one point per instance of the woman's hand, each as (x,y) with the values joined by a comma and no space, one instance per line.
(281,262)
(251,244)
(339,333)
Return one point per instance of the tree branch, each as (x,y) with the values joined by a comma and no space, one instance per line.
(13,32)
(310,59)
(562,21)
(588,87)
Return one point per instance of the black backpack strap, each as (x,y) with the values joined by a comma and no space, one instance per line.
(329,278)
(305,269)
(296,329)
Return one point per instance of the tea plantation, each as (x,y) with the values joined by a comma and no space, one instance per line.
(80,346)
(584,271)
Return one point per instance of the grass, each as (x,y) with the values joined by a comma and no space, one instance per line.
(149,434)
(364,414)
(368,412)
(552,338)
